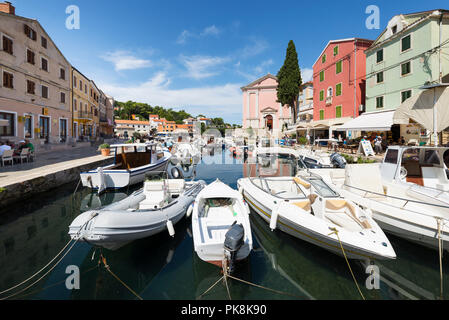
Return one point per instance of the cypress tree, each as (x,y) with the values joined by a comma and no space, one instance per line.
(289,80)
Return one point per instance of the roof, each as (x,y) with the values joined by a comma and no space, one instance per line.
(339,41)
(268,76)
(132,122)
(425,15)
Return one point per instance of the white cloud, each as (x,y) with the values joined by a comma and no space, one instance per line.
(212,30)
(124,60)
(199,67)
(257,46)
(306,74)
(225,100)
(263,66)
(208,31)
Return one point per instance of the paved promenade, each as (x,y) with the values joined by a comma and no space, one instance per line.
(48,171)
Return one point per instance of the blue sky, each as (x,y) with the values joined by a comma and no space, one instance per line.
(195,55)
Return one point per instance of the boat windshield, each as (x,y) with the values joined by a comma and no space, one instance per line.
(322,188)
(280,188)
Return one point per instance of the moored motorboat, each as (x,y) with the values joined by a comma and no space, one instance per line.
(158,206)
(185,153)
(220,226)
(312,211)
(131,163)
(408,192)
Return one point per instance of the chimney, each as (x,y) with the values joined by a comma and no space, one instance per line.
(7,7)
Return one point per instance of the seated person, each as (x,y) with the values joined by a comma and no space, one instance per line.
(3,147)
(29,145)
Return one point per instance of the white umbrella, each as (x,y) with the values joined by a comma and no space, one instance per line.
(430,109)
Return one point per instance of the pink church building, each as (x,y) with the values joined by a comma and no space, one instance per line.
(261,111)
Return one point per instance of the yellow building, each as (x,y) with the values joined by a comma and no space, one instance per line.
(82,110)
(94,101)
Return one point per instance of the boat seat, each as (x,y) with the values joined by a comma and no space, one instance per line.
(336,208)
(302,183)
(155,195)
(305,205)
(176,185)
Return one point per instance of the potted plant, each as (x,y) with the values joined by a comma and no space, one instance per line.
(105,149)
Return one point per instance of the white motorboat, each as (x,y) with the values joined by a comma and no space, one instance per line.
(220,225)
(408,192)
(131,163)
(155,208)
(315,158)
(309,209)
(185,153)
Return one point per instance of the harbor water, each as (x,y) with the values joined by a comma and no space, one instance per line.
(166,268)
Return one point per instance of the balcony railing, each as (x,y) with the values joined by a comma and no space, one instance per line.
(328,101)
(83,115)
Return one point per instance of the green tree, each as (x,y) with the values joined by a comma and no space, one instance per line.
(289,80)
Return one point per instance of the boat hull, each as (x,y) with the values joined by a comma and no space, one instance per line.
(118,179)
(115,225)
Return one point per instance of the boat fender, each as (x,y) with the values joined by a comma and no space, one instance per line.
(170,228)
(274,219)
(171,252)
(189,210)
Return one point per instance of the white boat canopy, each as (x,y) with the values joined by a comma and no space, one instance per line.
(420,108)
(372,121)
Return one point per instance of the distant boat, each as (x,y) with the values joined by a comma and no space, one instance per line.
(131,163)
(220,225)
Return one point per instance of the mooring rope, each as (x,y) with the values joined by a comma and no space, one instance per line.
(76,189)
(43,276)
(103,260)
(440,255)
(42,269)
(225,275)
(335,231)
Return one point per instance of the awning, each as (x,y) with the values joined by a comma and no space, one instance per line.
(420,108)
(372,121)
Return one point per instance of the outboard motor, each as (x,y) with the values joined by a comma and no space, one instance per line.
(338,160)
(234,240)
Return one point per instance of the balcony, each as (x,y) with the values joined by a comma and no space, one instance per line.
(83,115)
(328,101)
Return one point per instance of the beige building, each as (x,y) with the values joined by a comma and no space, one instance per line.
(106,111)
(35,87)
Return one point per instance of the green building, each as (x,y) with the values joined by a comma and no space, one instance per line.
(412,51)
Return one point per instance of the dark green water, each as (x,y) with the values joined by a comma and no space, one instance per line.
(161,267)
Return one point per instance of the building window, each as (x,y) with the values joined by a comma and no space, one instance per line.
(8,80)
(62,73)
(75,104)
(85,88)
(339,67)
(406,95)
(322,76)
(338,112)
(30,33)
(8,130)
(81,85)
(44,92)
(406,43)
(44,64)
(330,92)
(44,126)
(380,55)
(406,68)
(338,89)
(28,126)
(335,50)
(30,56)
(321,114)
(74,81)
(323,59)
(394,29)
(7,45)
(62,97)
(31,87)
(44,42)
(321,95)
(379,102)
(380,77)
